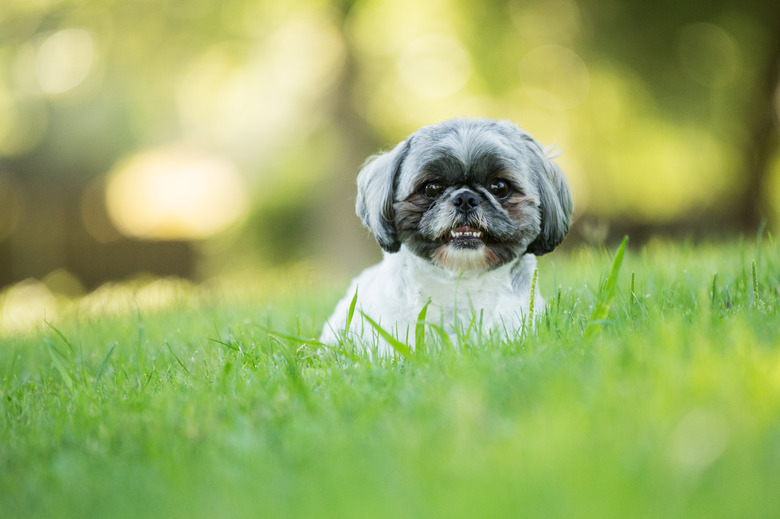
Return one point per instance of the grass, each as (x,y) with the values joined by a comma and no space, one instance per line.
(647,388)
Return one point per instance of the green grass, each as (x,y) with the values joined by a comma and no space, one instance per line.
(651,389)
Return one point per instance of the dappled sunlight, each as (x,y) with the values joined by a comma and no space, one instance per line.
(546,21)
(641,164)
(658,171)
(659,115)
(63,283)
(415,71)
(175,193)
(25,306)
(64,59)
(434,66)
(382,29)
(254,103)
(163,293)
(28,305)
(554,77)
(94,213)
(51,65)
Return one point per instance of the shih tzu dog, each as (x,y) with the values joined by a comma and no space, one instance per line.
(461,209)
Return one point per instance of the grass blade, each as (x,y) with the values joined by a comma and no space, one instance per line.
(714,290)
(351,312)
(10,372)
(287,336)
(219,340)
(397,345)
(533,297)
(443,337)
(225,344)
(59,366)
(103,364)
(607,293)
(755,284)
(56,350)
(419,329)
(177,358)
(62,335)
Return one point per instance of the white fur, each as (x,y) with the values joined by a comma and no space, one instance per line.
(394,291)
(460,281)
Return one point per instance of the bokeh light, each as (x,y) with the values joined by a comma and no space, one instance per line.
(94,212)
(709,54)
(64,59)
(414,71)
(175,193)
(25,306)
(547,21)
(661,120)
(434,66)
(554,77)
(255,103)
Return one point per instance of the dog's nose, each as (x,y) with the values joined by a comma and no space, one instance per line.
(465,201)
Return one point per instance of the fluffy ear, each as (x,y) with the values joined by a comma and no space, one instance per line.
(556,204)
(376,195)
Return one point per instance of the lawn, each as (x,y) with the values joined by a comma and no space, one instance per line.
(652,391)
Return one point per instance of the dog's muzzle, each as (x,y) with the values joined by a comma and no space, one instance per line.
(465,201)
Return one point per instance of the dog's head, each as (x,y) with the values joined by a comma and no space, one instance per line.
(466,195)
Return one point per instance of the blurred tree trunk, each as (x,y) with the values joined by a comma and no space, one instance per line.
(648,48)
(347,244)
(762,133)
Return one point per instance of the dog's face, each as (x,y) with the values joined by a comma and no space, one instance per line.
(466,195)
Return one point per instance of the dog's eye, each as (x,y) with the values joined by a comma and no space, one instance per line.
(499,188)
(432,189)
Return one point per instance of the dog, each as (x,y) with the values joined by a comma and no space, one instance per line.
(461,209)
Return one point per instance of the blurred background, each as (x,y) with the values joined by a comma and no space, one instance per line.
(201,137)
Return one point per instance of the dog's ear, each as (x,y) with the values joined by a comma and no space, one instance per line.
(556,204)
(376,195)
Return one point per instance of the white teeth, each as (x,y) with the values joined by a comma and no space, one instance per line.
(466,234)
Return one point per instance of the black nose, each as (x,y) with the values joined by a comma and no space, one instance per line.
(465,201)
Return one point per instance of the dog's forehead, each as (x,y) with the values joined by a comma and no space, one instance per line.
(463,149)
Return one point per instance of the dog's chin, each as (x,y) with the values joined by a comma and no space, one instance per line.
(463,249)
(463,259)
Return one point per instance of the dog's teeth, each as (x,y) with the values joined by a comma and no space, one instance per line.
(466,234)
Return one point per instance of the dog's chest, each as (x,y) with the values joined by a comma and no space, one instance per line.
(398,292)
(483,302)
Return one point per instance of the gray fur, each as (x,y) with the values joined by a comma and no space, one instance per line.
(376,192)
(465,153)
(556,204)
